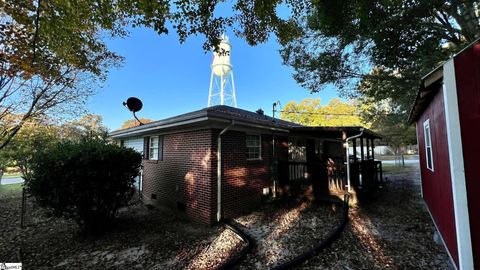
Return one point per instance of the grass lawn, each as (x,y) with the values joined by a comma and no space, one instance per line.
(393,157)
(10,190)
(392,169)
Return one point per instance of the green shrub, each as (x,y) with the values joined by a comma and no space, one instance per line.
(87,181)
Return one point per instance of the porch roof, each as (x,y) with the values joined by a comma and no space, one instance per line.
(336,132)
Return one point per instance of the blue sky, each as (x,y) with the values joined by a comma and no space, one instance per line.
(172,78)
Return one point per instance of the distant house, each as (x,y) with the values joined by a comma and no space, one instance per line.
(447,114)
(220,161)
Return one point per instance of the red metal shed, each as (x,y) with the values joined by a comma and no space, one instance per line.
(447,116)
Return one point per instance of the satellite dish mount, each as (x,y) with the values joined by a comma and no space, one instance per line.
(134,105)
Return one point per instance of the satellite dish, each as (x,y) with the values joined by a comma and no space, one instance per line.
(133,104)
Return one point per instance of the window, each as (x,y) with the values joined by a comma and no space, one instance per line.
(254,146)
(155,149)
(297,149)
(428,145)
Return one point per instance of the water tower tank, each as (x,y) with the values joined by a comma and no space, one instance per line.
(221,65)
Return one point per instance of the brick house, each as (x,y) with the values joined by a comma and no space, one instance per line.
(219,161)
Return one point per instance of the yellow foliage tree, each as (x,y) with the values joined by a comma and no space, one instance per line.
(134,123)
(310,112)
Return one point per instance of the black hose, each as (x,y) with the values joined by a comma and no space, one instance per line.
(232,261)
(323,244)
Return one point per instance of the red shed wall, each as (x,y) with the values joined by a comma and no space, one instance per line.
(437,185)
(184,177)
(467,73)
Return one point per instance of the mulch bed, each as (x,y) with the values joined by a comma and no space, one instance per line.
(284,230)
(142,239)
(392,231)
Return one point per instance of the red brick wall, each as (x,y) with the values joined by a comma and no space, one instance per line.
(183,177)
(243,180)
(188,173)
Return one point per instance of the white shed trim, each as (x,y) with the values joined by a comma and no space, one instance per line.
(457,170)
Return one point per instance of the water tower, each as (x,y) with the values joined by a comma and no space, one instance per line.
(222,87)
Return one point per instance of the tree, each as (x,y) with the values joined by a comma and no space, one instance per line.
(134,123)
(52,52)
(89,125)
(34,136)
(379,49)
(309,112)
(50,57)
(41,133)
(396,132)
(87,181)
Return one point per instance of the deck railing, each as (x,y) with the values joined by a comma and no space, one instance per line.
(366,174)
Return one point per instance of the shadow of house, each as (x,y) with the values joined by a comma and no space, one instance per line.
(250,156)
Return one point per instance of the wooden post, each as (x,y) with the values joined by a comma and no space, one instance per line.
(361,149)
(368,148)
(354,141)
(23,210)
(373,149)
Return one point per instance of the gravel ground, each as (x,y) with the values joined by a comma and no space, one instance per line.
(393,231)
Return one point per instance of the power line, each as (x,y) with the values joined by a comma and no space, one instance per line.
(326,114)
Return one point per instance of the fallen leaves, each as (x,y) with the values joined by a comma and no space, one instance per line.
(393,231)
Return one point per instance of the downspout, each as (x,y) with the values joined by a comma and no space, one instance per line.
(348,158)
(219,171)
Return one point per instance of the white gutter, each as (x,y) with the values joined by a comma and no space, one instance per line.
(348,156)
(219,170)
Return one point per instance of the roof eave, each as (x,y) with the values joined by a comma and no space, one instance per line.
(431,78)
(423,92)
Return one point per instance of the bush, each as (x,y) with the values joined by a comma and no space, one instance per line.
(87,181)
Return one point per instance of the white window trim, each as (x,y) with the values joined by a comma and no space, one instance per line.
(260,153)
(150,148)
(429,134)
